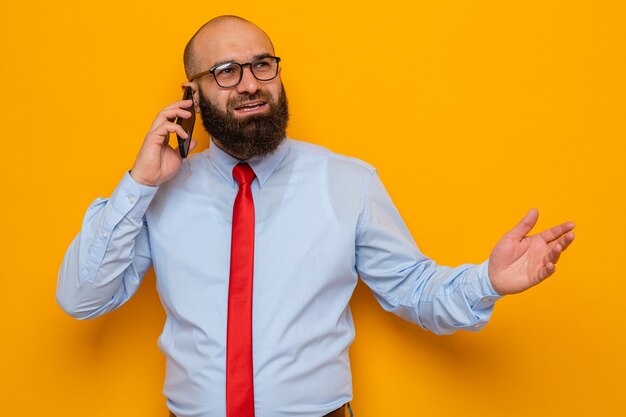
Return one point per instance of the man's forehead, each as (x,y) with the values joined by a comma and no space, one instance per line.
(231,40)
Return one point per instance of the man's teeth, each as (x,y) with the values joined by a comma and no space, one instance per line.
(249,107)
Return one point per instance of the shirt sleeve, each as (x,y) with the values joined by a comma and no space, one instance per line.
(105,263)
(407,283)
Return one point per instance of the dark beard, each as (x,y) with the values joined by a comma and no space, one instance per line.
(255,135)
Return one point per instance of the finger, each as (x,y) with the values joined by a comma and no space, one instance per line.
(162,132)
(169,115)
(566,240)
(177,105)
(192,144)
(557,231)
(547,270)
(172,113)
(525,225)
(180,104)
(554,254)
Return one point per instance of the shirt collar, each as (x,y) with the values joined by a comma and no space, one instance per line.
(263,166)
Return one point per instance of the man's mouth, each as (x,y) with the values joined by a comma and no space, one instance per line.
(250,107)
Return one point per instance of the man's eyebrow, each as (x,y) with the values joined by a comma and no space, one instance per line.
(230,61)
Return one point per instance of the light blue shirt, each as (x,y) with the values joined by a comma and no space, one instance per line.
(322,220)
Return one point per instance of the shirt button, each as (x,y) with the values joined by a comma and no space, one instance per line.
(477,325)
(131,199)
(105,234)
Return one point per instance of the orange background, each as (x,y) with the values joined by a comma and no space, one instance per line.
(483,109)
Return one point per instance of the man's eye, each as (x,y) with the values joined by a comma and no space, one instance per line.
(228,70)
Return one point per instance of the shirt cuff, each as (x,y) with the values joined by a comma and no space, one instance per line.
(478,290)
(131,198)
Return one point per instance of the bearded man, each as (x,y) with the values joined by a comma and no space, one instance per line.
(258,246)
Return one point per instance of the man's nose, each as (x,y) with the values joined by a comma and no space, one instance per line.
(249,84)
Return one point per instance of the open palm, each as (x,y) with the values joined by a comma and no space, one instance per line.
(519,262)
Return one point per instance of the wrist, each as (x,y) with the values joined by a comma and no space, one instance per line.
(494,284)
(140,180)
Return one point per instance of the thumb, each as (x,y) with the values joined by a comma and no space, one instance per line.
(525,225)
(192,144)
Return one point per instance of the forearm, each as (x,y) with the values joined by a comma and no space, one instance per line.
(105,263)
(456,298)
(438,298)
(409,284)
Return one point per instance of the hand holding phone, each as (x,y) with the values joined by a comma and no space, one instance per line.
(157,161)
(187,125)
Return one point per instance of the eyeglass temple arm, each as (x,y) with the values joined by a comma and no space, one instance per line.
(200,74)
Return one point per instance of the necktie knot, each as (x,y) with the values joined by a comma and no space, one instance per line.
(243,173)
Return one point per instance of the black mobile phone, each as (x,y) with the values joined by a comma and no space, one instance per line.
(187,125)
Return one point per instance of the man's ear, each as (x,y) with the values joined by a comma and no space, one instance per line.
(195,94)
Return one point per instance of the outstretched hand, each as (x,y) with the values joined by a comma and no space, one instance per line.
(519,262)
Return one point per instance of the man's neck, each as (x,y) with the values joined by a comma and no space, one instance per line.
(219,145)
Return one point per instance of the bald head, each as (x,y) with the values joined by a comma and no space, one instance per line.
(216,27)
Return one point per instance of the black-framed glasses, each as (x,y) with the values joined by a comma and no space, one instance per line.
(229,74)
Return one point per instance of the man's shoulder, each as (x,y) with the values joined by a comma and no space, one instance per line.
(309,150)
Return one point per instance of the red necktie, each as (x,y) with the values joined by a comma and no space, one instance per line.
(239,374)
